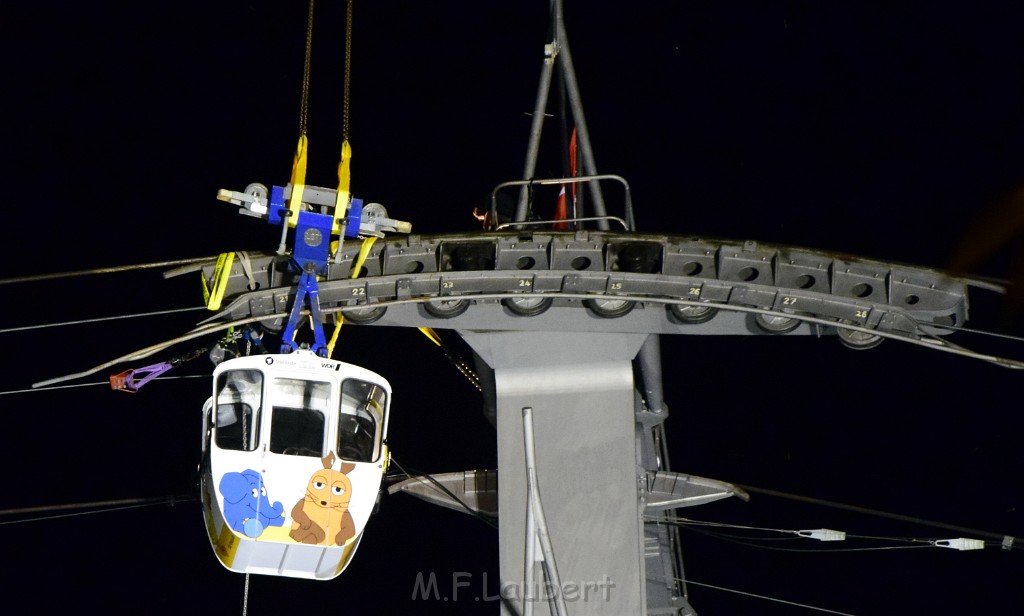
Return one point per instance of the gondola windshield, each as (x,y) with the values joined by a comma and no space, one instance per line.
(298,419)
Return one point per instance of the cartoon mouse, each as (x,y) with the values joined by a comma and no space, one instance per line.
(246,506)
(325,506)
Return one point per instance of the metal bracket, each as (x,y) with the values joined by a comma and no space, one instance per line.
(307,289)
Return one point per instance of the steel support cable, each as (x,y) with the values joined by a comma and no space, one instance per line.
(213,327)
(980,332)
(795,535)
(156,348)
(749,542)
(100,319)
(106,383)
(485,518)
(103,506)
(245,596)
(105,270)
(883,514)
(765,597)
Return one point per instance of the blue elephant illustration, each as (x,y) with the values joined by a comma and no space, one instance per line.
(246,506)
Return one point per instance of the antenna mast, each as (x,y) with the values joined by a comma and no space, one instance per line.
(557,56)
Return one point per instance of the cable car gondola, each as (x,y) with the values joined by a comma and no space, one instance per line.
(294,451)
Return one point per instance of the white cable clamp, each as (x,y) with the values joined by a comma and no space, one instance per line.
(960,544)
(823,534)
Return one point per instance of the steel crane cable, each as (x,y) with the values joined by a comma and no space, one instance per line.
(348,69)
(304,104)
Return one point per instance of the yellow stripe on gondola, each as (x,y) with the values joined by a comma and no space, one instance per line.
(346,555)
(227,545)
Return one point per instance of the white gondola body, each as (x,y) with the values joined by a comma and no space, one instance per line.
(294,454)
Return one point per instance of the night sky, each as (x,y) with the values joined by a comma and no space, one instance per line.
(890,130)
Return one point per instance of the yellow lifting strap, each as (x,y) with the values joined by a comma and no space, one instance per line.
(298,180)
(341,201)
(357,266)
(213,294)
(432,335)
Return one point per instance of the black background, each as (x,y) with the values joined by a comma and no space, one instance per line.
(886,130)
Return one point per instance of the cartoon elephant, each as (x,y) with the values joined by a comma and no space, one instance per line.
(246,507)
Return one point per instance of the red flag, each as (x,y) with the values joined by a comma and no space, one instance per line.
(560,212)
(561,209)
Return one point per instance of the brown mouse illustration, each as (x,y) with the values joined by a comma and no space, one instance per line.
(325,507)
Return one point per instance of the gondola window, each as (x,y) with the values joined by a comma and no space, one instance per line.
(359,423)
(239,399)
(297,422)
